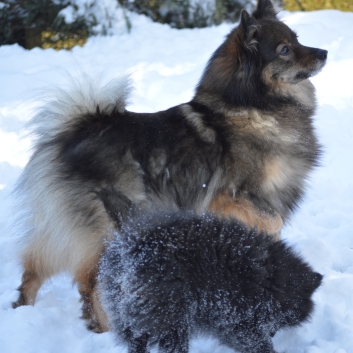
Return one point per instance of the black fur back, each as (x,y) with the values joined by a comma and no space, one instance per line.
(166,277)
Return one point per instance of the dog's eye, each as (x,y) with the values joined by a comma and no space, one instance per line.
(284,51)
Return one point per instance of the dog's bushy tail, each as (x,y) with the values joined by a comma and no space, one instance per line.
(53,211)
(84,95)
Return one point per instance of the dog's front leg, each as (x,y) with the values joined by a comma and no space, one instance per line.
(175,341)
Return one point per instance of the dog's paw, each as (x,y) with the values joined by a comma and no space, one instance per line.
(20,301)
(94,326)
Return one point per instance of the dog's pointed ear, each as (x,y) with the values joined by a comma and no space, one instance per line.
(265,9)
(248,24)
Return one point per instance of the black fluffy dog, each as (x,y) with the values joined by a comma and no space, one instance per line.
(167,277)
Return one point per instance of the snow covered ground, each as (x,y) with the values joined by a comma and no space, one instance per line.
(166,65)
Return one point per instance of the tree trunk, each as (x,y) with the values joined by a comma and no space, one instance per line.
(33,37)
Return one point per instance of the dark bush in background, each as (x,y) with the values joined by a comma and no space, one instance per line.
(32,23)
(189,14)
(64,23)
(35,23)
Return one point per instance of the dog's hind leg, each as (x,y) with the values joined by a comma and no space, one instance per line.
(259,345)
(100,315)
(250,341)
(92,310)
(32,280)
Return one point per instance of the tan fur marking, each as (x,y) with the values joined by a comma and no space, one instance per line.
(99,312)
(302,91)
(263,123)
(280,172)
(267,74)
(255,122)
(250,121)
(277,174)
(225,206)
(31,282)
(92,310)
(206,133)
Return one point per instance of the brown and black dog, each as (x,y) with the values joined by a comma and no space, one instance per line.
(242,147)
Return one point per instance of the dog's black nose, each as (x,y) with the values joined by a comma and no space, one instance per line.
(321,54)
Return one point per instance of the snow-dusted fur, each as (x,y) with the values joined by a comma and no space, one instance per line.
(62,220)
(166,277)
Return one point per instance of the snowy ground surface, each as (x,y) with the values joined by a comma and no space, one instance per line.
(166,65)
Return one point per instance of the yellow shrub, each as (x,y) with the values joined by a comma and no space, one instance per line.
(59,41)
(311,5)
